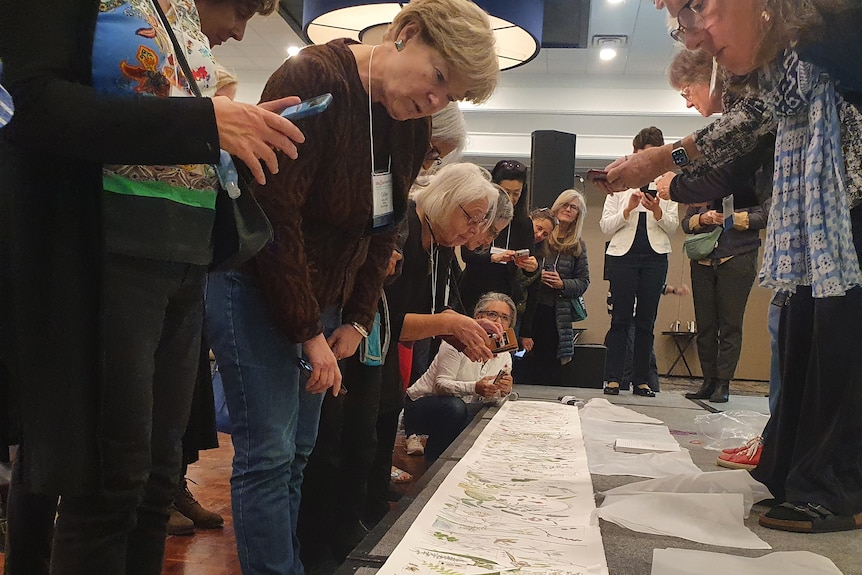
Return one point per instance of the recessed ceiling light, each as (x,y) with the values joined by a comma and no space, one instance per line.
(293,51)
(607,54)
(616,1)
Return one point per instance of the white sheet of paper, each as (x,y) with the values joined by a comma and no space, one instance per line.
(687,561)
(601,408)
(625,445)
(710,518)
(728,481)
(599,436)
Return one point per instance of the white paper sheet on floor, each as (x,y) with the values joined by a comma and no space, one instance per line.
(602,426)
(711,518)
(686,561)
(727,481)
(601,408)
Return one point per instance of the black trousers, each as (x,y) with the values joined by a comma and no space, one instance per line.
(150,331)
(720,294)
(813,452)
(633,277)
(336,477)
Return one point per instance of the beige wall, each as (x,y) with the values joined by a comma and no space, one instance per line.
(754,362)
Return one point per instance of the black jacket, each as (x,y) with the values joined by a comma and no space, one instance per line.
(51,250)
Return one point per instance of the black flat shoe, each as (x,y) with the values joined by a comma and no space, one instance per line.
(612,390)
(643,391)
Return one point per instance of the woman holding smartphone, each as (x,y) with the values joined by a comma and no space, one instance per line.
(639,224)
(443,402)
(565,276)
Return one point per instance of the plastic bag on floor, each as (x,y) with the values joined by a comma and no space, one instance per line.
(729,428)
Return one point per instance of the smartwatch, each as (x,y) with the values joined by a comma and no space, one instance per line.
(680,156)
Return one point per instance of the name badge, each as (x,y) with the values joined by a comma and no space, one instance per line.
(384,212)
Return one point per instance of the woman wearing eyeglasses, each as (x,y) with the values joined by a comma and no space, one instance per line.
(497,269)
(639,224)
(565,276)
(446,398)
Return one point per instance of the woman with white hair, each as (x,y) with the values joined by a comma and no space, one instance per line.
(443,402)
(565,277)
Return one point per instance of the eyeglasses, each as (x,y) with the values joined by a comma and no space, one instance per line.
(494,316)
(686,93)
(510,165)
(570,206)
(433,155)
(690,17)
(474,220)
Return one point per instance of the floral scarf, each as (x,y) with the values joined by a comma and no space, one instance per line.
(809,240)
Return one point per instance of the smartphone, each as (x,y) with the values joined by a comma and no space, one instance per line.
(306,369)
(522,253)
(549,268)
(308,107)
(593,175)
(500,375)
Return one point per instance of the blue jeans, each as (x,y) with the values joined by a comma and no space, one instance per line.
(441,417)
(772,321)
(274,421)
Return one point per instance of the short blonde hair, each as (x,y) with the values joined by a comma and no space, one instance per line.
(461,32)
(452,186)
(570,241)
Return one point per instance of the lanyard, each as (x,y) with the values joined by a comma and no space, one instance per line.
(371,118)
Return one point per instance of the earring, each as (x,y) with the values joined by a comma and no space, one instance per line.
(399,45)
(765,16)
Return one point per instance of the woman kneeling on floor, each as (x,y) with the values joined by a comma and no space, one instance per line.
(443,402)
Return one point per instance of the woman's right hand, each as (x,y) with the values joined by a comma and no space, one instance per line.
(325,374)
(468,331)
(503,257)
(712,217)
(254,133)
(527,343)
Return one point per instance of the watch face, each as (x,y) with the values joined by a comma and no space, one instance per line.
(679,156)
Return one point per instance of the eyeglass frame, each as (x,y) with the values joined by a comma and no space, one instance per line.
(472,221)
(490,313)
(567,205)
(433,155)
(686,93)
(678,33)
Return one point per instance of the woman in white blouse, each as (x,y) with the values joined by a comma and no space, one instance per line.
(446,398)
(636,257)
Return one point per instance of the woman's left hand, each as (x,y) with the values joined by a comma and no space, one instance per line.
(552,280)
(344,341)
(528,263)
(663,185)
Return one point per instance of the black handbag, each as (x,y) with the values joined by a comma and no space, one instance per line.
(241,228)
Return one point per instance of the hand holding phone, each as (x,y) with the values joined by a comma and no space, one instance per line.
(594,175)
(522,253)
(308,107)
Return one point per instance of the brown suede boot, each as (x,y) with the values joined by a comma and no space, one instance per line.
(179,524)
(186,504)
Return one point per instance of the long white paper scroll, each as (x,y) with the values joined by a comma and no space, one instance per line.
(519,501)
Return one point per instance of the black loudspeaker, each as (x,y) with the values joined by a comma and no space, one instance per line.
(552,166)
(587,368)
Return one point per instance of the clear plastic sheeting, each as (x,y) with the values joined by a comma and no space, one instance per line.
(736,481)
(729,428)
(709,518)
(686,561)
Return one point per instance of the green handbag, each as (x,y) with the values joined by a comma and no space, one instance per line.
(579,308)
(699,246)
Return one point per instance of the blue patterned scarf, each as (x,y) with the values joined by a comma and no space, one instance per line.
(809,240)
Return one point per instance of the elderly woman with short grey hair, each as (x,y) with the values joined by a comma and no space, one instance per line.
(449,395)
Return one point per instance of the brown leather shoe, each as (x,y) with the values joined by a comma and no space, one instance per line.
(179,524)
(201,518)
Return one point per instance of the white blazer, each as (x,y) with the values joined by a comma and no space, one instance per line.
(623,230)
